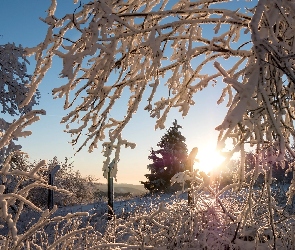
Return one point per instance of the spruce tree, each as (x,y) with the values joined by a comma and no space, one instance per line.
(167,161)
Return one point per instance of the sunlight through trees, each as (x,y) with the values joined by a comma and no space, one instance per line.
(110,47)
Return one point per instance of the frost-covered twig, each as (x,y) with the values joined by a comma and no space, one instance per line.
(15,129)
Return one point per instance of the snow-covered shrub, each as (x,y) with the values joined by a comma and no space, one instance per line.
(83,189)
(252,216)
(14,202)
(172,226)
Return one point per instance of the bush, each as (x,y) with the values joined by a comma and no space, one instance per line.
(83,189)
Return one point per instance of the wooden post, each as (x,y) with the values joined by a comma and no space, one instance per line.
(110,192)
(190,199)
(190,164)
(50,201)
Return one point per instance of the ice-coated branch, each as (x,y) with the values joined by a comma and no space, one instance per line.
(122,46)
(14,79)
(263,103)
(13,90)
(108,148)
(126,49)
(15,129)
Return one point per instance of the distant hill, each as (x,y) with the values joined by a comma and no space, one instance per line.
(123,188)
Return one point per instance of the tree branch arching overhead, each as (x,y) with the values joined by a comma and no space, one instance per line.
(138,42)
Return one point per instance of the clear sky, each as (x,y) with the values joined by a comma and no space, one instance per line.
(20,24)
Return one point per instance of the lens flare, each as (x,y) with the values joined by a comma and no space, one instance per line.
(208,159)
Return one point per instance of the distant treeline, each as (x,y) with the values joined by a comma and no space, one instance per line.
(116,194)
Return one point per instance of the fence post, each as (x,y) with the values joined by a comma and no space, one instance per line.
(110,191)
(190,167)
(51,176)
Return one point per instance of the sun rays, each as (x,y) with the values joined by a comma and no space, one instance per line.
(208,159)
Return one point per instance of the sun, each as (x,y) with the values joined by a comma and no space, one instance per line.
(208,159)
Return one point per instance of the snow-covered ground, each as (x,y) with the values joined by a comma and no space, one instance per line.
(123,206)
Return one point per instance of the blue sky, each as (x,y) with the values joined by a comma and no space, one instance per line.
(20,24)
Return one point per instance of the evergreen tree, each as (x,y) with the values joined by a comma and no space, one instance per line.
(167,161)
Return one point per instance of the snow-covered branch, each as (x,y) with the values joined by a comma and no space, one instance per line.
(15,129)
(124,46)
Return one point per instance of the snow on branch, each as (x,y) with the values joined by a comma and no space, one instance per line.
(14,80)
(15,129)
(108,148)
(262,107)
(13,91)
(129,46)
